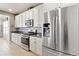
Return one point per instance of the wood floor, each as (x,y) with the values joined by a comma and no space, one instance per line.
(10,49)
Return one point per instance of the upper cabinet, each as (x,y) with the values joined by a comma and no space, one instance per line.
(17,21)
(38,16)
(50,6)
(35,14)
(31,13)
(27,15)
(62,5)
(23,18)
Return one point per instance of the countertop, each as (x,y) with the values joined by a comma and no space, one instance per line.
(16,32)
(39,35)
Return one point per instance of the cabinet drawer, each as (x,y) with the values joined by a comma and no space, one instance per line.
(16,38)
(39,46)
(32,44)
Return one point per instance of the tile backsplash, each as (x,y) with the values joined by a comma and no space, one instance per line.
(26,30)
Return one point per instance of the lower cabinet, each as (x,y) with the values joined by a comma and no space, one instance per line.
(16,38)
(36,45)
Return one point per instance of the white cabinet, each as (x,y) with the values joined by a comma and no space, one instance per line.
(23,18)
(16,38)
(32,44)
(38,16)
(39,46)
(36,45)
(35,16)
(19,38)
(31,14)
(12,37)
(20,19)
(17,21)
(66,4)
(50,6)
(35,13)
(27,15)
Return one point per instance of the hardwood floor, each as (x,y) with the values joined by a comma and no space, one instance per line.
(10,49)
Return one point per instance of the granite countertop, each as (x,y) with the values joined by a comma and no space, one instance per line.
(39,35)
(16,32)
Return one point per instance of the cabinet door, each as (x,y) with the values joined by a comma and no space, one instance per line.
(23,16)
(19,38)
(17,21)
(31,14)
(39,46)
(23,20)
(35,16)
(50,6)
(40,15)
(12,37)
(20,20)
(62,5)
(32,44)
(26,15)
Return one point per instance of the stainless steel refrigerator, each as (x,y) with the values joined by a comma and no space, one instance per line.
(63,30)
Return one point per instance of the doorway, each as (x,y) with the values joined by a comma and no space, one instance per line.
(5,27)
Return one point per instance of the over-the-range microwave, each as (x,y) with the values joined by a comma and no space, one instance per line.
(29,23)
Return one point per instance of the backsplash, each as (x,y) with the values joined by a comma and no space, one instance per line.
(26,30)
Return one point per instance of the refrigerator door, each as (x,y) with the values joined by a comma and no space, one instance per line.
(45,37)
(52,43)
(69,30)
(57,30)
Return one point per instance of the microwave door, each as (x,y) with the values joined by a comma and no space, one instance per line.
(29,23)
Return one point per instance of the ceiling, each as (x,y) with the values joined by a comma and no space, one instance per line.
(16,7)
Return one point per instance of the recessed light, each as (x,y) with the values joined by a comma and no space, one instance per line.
(10,9)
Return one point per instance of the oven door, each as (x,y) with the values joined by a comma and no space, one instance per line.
(25,40)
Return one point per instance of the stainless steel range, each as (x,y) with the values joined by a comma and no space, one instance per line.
(25,39)
(25,42)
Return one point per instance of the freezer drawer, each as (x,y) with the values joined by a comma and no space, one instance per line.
(49,52)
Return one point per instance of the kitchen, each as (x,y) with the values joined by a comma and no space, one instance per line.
(47,29)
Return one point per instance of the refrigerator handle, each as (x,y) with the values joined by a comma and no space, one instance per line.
(56,32)
(55,29)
